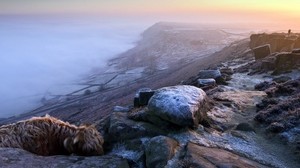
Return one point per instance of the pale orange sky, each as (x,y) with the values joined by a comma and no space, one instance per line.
(278,12)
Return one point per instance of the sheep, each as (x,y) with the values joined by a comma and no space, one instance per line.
(50,136)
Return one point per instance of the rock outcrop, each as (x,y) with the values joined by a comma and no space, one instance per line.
(279,42)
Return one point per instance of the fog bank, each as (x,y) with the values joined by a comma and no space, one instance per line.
(39,56)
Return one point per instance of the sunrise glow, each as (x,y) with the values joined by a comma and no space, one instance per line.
(278,12)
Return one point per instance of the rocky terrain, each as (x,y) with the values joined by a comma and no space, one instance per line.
(237,107)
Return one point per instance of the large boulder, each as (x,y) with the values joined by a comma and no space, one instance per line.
(200,156)
(287,61)
(262,51)
(16,158)
(181,105)
(159,150)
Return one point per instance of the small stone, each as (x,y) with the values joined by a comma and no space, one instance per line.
(121,109)
(245,127)
(282,79)
(275,127)
(206,82)
(211,74)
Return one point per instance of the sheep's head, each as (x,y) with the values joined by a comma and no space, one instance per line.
(87,141)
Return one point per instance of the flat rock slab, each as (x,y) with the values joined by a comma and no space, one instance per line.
(181,105)
(205,157)
(242,99)
(16,158)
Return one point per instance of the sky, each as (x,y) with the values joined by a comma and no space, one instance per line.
(278,12)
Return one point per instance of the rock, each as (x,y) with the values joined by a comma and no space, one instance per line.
(279,42)
(285,45)
(206,83)
(287,61)
(243,100)
(122,128)
(145,97)
(240,135)
(245,127)
(265,103)
(200,156)
(136,101)
(181,105)
(288,88)
(262,51)
(296,50)
(275,127)
(144,115)
(142,97)
(297,43)
(16,158)
(121,109)
(211,74)
(282,79)
(264,85)
(227,71)
(268,64)
(159,150)
(131,150)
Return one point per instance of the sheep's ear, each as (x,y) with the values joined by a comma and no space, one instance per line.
(68,144)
